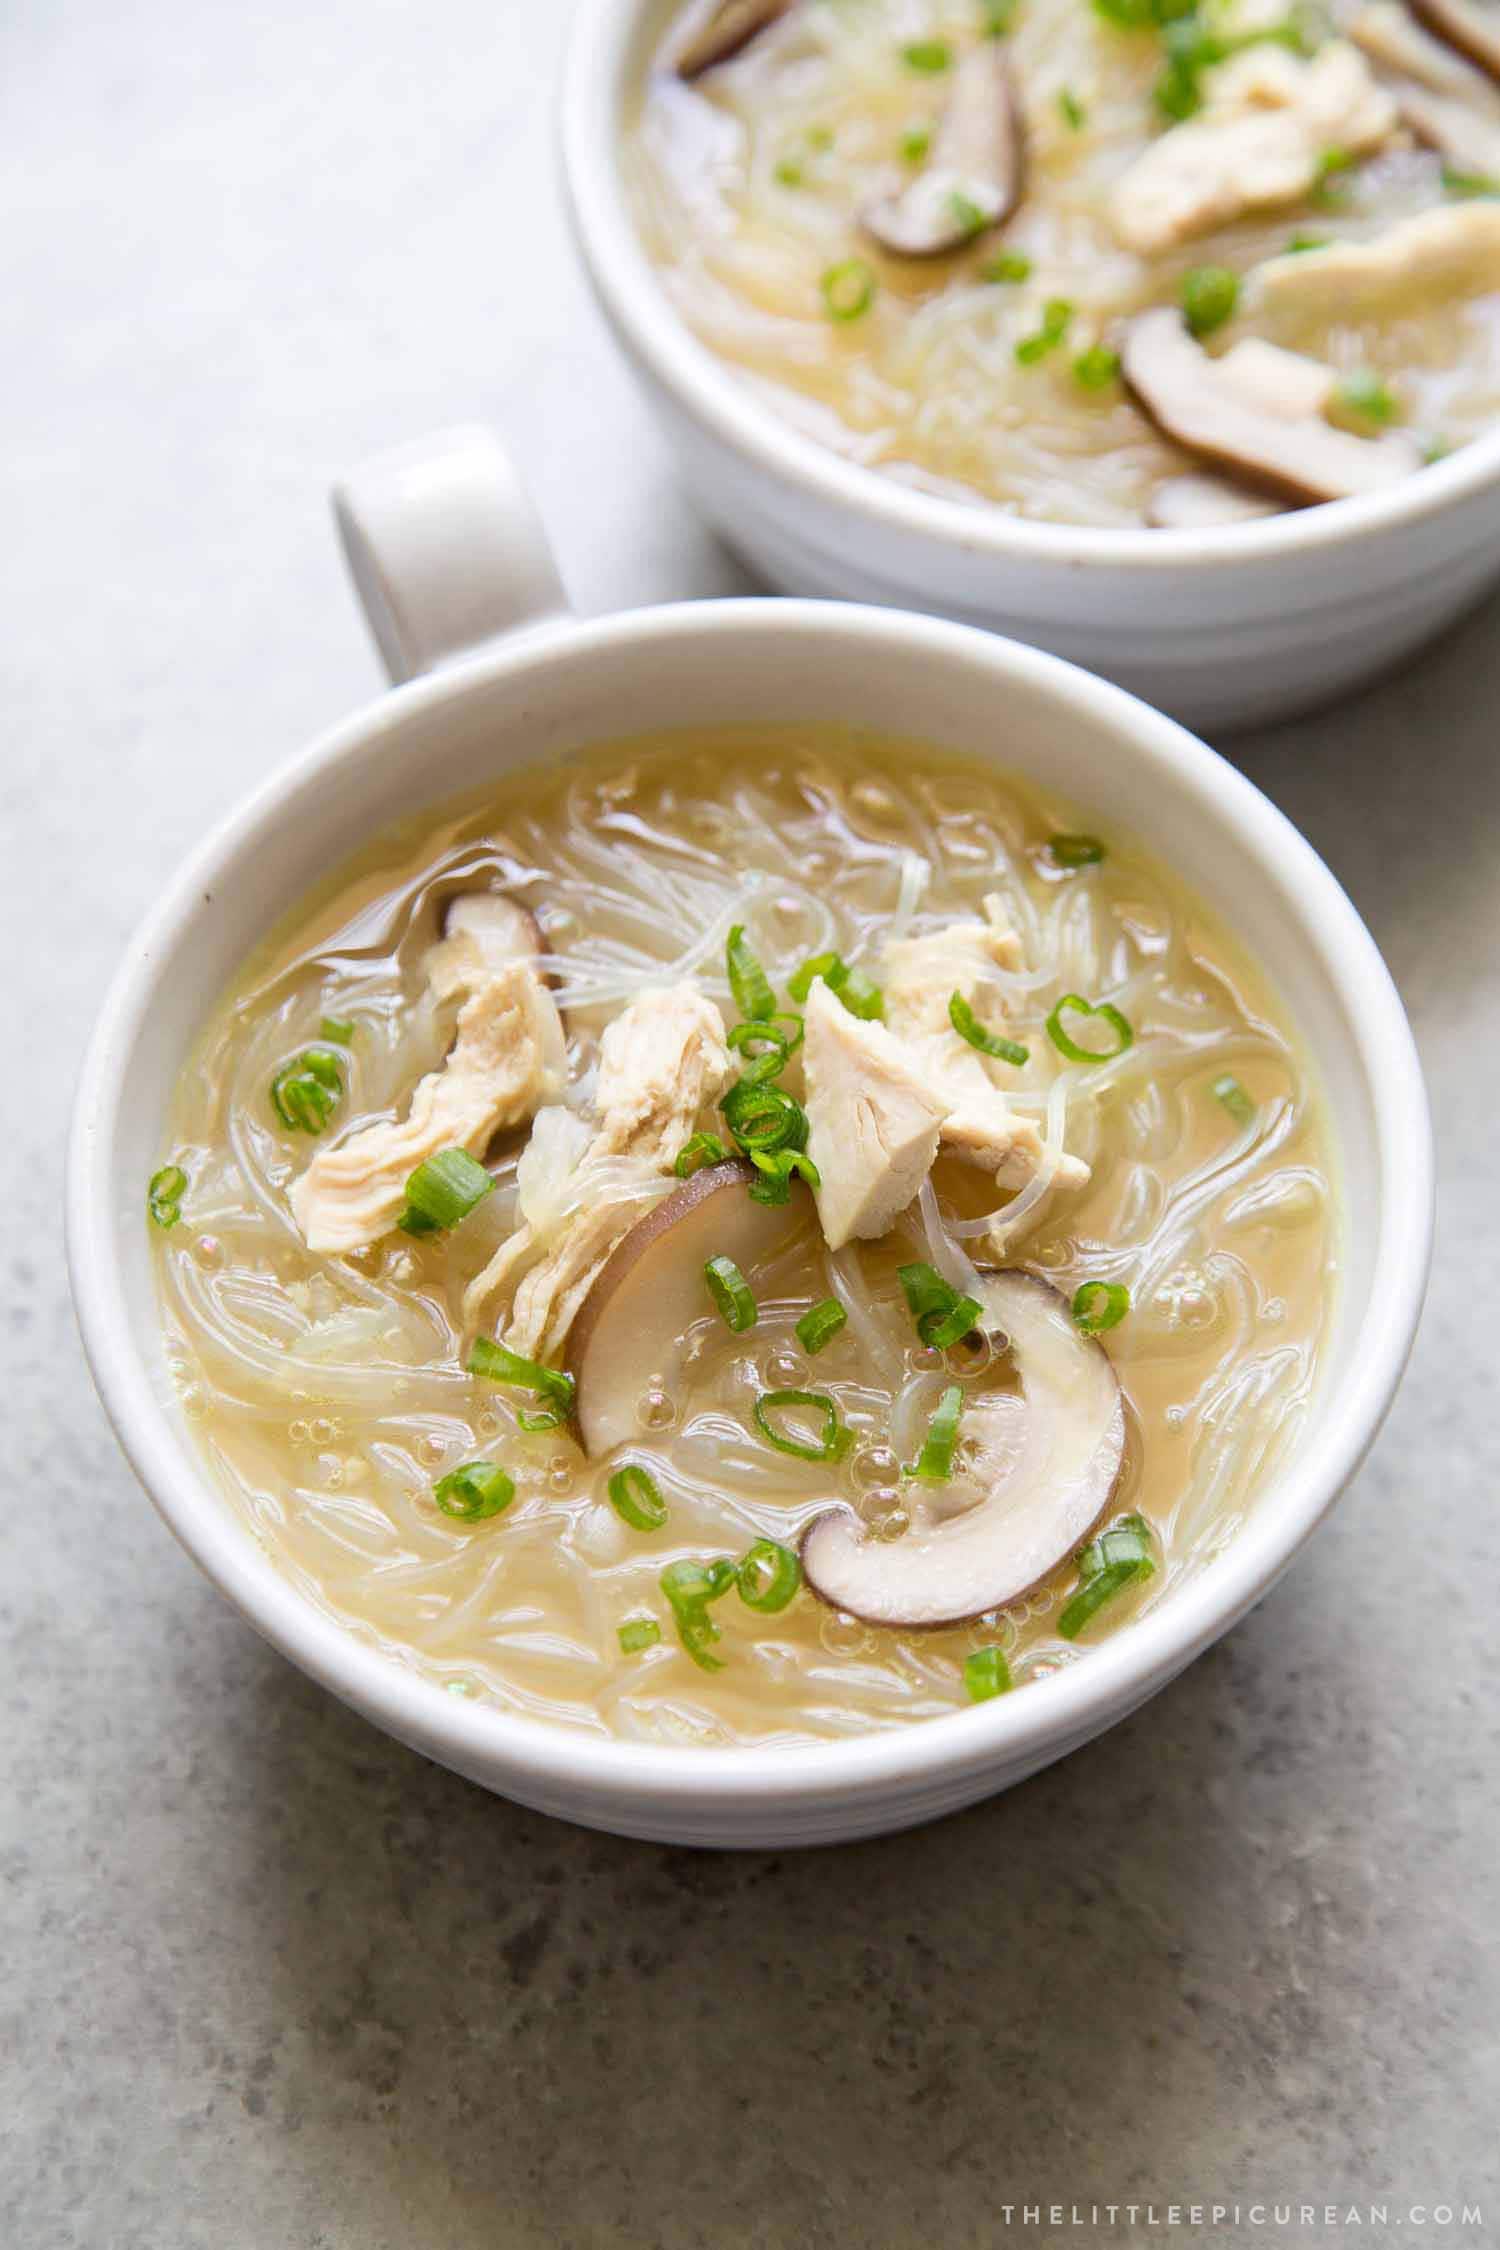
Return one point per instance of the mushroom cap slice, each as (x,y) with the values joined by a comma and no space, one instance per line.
(975,171)
(1256,411)
(1472,26)
(651,1290)
(726,28)
(1040,1491)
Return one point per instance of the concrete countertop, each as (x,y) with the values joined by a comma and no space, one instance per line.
(271,1981)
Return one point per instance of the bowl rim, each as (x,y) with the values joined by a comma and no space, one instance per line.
(587,1774)
(596,64)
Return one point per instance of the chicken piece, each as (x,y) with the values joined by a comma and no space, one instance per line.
(1448,252)
(508,1058)
(1260,140)
(874,1119)
(922,975)
(482,930)
(661,1061)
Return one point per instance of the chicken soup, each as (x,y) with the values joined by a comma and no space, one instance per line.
(745,1238)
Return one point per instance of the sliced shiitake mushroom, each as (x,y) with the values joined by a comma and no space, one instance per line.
(725,29)
(630,1326)
(1472,26)
(1042,1473)
(1256,411)
(973,177)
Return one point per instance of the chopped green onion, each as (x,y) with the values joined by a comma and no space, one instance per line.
(534,1419)
(986,1674)
(1071,110)
(443,1189)
(1077,1005)
(1075,851)
(825,965)
(768,1577)
(1299,243)
(968,1026)
(747,979)
(1096,368)
(787,172)
(831,1444)
(164,1193)
(1057,313)
(637,1633)
(967,214)
(1476,184)
(940,1314)
(849,289)
(1363,397)
(859,995)
(927,55)
(1209,296)
(764,1117)
(820,137)
(915,142)
(820,1324)
(1008,265)
(1331,162)
(635,1495)
(1098,1305)
(497,1363)
(306,1091)
(703,1148)
(731,1294)
(1117,1559)
(471,1493)
(1231,1093)
(934,1464)
(689,1588)
(767,1049)
(777,1172)
(339,1029)
(998,16)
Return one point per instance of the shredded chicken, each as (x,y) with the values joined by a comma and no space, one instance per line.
(660,1062)
(1442,253)
(873,1119)
(1260,140)
(922,976)
(508,1058)
(481,932)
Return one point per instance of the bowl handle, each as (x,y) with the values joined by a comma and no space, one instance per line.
(445,548)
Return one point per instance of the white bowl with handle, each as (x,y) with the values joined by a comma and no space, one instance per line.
(468,611)
(1224,627)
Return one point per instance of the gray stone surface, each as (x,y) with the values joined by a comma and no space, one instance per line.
(271,1981)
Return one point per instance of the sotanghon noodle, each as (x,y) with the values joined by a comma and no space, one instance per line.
(745,1238)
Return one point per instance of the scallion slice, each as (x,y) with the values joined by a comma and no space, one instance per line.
(164,1193)
(934,1464)
(848,289)
(636,1497)
(832,1441)
(535,1419)
(703,1148)
(820,1324)
(766,1048)
(1231,1093)
(777,1172)
(1075,1004)
(730,1292)
(854,988)
(764,1117)
(1098,1305)
(306,1091)
(471,1493)
(1071,110)
(929,56)
(1115,1560)
(1209,296)
(968,1026)
(825,965)
(637,1633)
(689,1588)
(497,1363)
(338,1029)
(986,1673)
(1075,851)
(443,1189)
(768,1577)
(939,1313)
(747,979)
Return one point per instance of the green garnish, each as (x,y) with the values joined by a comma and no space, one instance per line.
(997,16)
(471,1493)
(1331,162)
(968,1026)
(306,1091)
(1231,1093)
(986,1673)
(701,1149)
(915,142)
(1472,184)
(820,1324)
(1098,1305)
(689,1588)
(443,1189)
(635,1496)
(1057,314)
(1078,1006)
(1301,243)
(1363,397)
(1071,110)
(777,1171)
(852,986)
(967,214)
(825,965)
(731,1294)
(1075,851)
(164,1193)
(830,1445)
(1209,296)
(637,1633)
(764,1118)
(849,289)
(534,1419)
(940,1314)
(338,1029)
(1007,265)
(934,1464)
(497,1363)
(1117,1559)
(768,1051)
(1097,368)
(768,1577)
(747,979)
(787,171)
(927,55)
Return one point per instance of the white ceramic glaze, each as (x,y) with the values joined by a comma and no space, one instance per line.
(1221,627)
(542,685)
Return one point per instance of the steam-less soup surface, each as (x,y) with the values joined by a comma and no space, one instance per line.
(1121,263)
(750,1237)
